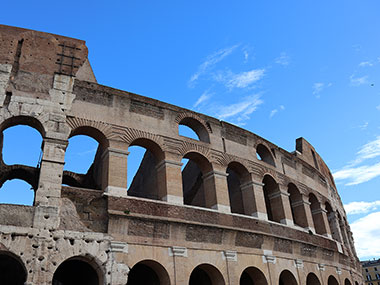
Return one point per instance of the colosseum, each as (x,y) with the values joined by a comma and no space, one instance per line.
(242,210)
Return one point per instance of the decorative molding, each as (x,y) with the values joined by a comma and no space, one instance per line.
(184,115)
(321,267)
(298,263)
(76,122)
(129,135)
(118,246)
(178,251)
(229,255)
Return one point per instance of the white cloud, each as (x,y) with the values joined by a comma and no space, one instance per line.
(239,80)
(361,207)
(365,63)
(275,111)
(203,98)
(357,81)
(210,62)
(367,235)
(283,59)
(364,126)
(318,87)
(359,174)
(241,110)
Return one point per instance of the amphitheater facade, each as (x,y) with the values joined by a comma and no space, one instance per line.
(242,211)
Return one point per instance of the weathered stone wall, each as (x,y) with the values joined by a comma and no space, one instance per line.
(274,219)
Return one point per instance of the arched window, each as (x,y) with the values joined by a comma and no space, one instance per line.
(195,182)
(185,131)
(316,212)
(148,272)
(12,270)
(264,154)
(77,271)
(237,176)
(206,274)
(197,128)
(270,190)
(252,276)
(143,159)
(287,278)
(342,229)
(297,206)
(332,281)
(312,279)
(347,282)
(21,142)
(332,222)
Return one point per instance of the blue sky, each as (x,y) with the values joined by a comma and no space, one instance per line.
(281,69)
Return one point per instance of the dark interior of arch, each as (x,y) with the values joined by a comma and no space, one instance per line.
(75,272)
(252,276)
(12,272)
(199,277)
(234,191)
(312,279)
(265,154)
(270,186)
(143,274)
(192,185)
(332,281)
(287,278)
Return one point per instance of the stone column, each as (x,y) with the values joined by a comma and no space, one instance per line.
(231,262)
(302,209)
(179,255)
(321,221)
(334,227)
(169,180)
(280,205)
(216,191)
(114,160)
(48,193)
(253,199)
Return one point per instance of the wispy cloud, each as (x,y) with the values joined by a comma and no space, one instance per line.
(355,174)
(283,59)
(318,87)
(203,98)
(364,126)
(361,207)
(357,81)
(367,235)
(239,111)
(365,63)
(378,107)
(275,111)
(210,61)
(239,80)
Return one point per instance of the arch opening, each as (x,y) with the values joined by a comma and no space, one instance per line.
(347,282)
(252,276)
(312,279)
(271,189)
(297,206)
(287,278)
(264,154)
(12,270)
(238,175)
(188,132)
(148,272)
(83,162)
(206,274)
(195,181)
(197,127)
(331,217)
(76,271)
(17,192)
(332,281)
(142,173)
(316,213)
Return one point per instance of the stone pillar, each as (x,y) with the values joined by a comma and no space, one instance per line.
(231,262)
(253,199)
(48,193)
(179,255)
(334,227)
(114,160)
(280,205)
(321,221)
(216,191)
(169,180)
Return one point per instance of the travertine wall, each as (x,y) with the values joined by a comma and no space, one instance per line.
(231,215)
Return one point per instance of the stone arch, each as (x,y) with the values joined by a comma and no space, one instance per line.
(265,154)
(92,132)
(238,177)
(78,270)
(287,278)
(23,120)
(347,281)
(206,274)
(312,279)
(316,212)
(197,124)
(332,280)
(148,272)
(196,177)
(145,182)
(12,269)
(273,203)
(252,276)
(297,206)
